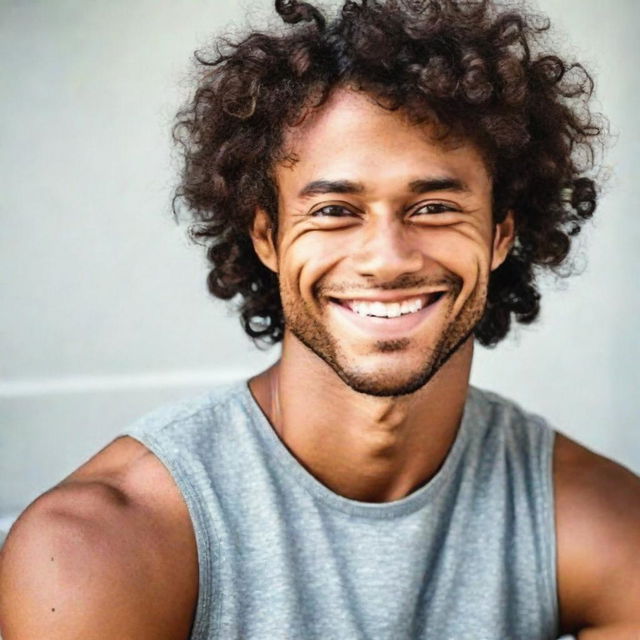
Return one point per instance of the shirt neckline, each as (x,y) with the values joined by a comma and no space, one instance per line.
(374,510)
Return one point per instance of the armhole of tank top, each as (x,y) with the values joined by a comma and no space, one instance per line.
(204,627)
(548,521)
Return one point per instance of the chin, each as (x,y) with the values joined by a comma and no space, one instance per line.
(394,370)
(387,374)
(383,386)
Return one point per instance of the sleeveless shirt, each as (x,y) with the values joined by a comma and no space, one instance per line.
(470,555)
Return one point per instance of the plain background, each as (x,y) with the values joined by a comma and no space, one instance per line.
(104,312)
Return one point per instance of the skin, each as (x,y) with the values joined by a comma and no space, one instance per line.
(116,535)
(385,240)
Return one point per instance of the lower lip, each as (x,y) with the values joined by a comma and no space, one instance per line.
(387,328)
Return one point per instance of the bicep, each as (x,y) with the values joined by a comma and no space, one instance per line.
(598,532)
(63,576)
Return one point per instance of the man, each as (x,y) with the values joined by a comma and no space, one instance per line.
(377,191)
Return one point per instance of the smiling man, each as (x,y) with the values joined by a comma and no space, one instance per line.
(376,193)
(384,255)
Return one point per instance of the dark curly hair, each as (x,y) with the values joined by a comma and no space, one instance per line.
(476,69)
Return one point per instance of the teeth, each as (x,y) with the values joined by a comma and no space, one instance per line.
(379,309)
(386,310)
(393,310)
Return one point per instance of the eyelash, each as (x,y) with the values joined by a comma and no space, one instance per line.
(319,212)
(442,206)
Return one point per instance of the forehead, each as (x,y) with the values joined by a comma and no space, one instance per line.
(352,137)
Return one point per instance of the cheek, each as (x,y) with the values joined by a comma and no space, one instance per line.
(311,256)
(462,249)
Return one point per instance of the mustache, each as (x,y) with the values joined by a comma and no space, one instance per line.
(448,281)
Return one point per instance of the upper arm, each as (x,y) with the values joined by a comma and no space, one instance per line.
(71,568)
(598,534)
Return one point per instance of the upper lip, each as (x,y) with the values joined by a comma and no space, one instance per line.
(385,296)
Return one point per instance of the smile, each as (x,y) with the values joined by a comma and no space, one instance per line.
(393,309)
(389,319)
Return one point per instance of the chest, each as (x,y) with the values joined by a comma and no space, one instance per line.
(448,573)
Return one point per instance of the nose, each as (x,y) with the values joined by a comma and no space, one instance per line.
(387,251)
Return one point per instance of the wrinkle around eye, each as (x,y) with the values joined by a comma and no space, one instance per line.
(446,218)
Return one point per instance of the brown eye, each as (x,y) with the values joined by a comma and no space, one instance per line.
(432,208)
(332,211)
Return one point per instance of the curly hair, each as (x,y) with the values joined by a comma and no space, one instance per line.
(475,68)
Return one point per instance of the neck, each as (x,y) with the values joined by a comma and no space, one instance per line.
(367,448)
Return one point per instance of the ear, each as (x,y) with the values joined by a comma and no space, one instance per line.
(262,237)
(503,238)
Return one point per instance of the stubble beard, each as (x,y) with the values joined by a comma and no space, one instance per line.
(314,335)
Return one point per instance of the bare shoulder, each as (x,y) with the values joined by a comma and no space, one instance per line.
(598,533)
(107,553)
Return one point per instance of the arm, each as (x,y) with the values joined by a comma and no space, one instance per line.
(611,632)
(91,559)
(65,574)
(598,534)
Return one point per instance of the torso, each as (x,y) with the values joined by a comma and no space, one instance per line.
(159,518)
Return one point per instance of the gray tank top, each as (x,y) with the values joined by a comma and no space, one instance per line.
(468,556)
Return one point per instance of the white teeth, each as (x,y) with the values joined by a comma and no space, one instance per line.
(379,309)
(393,310)
(386,310)
(407,307)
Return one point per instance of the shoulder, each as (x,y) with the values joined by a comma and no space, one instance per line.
(97,555)
(188,418)
(597,509)
(499,406)
(528,432)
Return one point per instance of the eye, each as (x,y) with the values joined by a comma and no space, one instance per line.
(333,211)
(433,208)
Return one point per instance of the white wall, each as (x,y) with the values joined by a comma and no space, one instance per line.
(104,310)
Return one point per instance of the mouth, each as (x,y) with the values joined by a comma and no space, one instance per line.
(392,318)
(389,309)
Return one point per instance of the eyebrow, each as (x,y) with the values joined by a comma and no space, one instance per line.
(319,187)
(422,185)
(426,185)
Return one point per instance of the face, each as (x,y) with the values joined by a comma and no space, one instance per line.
(385,243)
